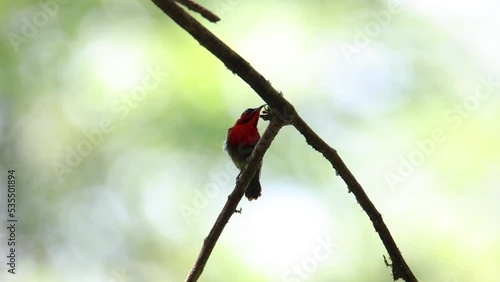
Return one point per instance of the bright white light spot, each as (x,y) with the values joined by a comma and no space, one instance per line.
(117,65)
(448,12)
(275,47)
(372,84)
(284,230)
(473,23)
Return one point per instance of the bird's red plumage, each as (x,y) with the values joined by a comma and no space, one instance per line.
(240,142)
(243,134)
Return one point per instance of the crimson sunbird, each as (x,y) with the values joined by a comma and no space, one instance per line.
(240,142)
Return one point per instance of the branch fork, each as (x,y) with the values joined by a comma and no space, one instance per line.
(283,114)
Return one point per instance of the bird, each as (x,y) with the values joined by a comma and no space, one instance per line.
(240,143)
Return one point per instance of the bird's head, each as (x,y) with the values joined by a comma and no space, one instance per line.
(250,116)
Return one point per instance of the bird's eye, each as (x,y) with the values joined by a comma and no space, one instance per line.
(247,111)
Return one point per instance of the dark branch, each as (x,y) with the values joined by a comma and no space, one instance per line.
(399,267)
(234,198)
(287,114)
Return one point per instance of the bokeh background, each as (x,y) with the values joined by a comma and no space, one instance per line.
(113,118)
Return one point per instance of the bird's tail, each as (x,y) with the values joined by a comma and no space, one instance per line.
(253,190)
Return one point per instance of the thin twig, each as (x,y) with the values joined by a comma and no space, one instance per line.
(234,198)
(282,107)
(204,12)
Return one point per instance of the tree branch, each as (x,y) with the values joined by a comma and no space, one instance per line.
(399,267)
(231,59)
(234,198)
(287,114)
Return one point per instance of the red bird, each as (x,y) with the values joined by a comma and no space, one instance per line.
(240,142)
